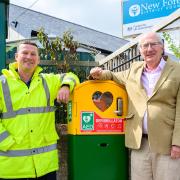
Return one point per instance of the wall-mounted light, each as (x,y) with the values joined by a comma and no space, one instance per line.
(14,23)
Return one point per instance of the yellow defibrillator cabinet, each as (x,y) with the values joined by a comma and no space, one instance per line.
(96,124)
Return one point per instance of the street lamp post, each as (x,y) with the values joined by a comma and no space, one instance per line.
(3,31)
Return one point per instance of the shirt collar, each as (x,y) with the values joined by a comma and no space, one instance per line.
(158,68)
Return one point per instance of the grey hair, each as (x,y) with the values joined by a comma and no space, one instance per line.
(160,40)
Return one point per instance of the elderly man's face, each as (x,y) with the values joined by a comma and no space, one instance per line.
(151,48)
(27,58)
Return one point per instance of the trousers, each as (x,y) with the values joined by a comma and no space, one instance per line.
(147,165)
(49,176)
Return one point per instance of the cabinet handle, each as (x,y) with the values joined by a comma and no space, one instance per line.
(119,107)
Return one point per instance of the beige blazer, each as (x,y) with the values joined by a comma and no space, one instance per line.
(163,107)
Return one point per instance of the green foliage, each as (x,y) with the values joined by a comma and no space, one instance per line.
(175,49)
(55,49)
(58,48)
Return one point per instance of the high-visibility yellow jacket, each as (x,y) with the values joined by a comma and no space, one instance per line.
(28,138)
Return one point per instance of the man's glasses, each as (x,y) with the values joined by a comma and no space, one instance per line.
(152,45)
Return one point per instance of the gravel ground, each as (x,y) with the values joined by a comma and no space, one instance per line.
(62,149)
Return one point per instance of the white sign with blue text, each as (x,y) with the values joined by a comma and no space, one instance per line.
(140,15)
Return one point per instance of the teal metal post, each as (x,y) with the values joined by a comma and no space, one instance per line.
(3,32)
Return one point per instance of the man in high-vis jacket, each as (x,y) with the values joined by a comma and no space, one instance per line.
(28,139)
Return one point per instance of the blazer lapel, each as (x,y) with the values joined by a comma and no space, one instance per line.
(138,79)
(166,71)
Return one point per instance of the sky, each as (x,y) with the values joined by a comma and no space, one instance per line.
(101,15)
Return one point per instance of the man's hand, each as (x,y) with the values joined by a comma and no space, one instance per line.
(63,94)
(96,72)
(175,152)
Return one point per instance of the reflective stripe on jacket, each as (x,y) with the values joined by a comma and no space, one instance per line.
(27,126)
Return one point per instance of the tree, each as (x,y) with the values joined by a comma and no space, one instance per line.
(175,49)
(58,48)
(62,52)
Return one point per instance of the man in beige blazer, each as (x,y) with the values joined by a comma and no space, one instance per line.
(153,121)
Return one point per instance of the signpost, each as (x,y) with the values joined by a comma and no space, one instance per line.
(3,31)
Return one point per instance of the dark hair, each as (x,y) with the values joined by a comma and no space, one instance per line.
(27,42)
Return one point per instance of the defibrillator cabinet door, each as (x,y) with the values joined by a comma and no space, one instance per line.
(97,107)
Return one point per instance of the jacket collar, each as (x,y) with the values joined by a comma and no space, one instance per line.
(164,75)
(165,72)
(12,72)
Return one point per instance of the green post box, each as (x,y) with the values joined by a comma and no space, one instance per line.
(96,115)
